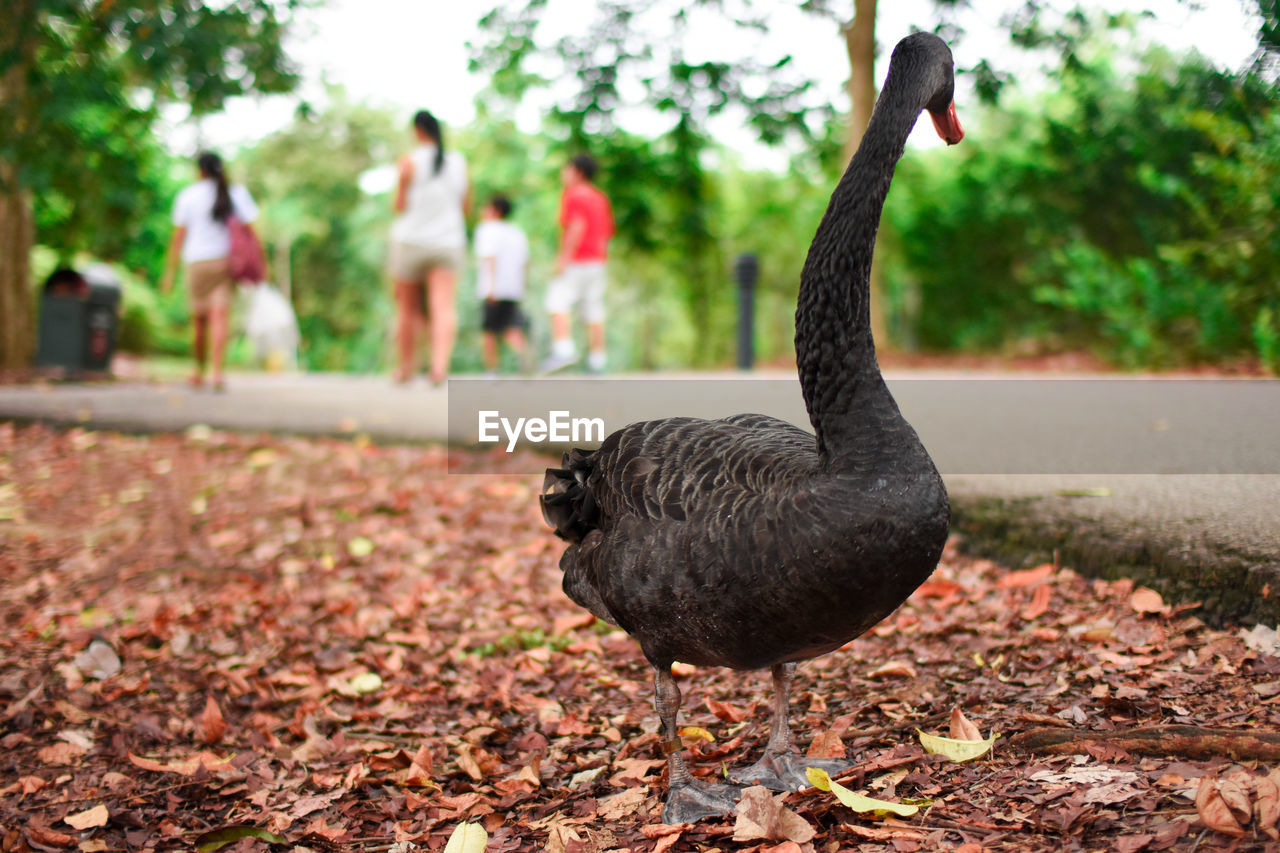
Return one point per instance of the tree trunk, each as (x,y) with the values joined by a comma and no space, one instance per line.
(17,317)
(860,42)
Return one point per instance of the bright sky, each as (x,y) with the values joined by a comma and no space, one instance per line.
(406,54)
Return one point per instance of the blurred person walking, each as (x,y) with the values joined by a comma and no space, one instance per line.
(428,242)
(202,236)
(502,255)
(586,223)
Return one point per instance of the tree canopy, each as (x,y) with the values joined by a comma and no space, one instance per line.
(81,85)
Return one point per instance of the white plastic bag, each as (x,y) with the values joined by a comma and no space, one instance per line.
(271,327)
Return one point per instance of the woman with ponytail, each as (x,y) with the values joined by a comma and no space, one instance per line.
(201,235)
(428,242)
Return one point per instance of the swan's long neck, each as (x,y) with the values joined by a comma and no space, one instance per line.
(849,406)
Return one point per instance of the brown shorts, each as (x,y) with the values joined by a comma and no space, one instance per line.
(410,262)
(209,285)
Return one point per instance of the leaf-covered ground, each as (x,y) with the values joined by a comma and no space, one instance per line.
(352,647)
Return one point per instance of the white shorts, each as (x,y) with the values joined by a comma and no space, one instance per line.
(579,283)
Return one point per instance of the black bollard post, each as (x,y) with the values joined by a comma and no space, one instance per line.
(746,270)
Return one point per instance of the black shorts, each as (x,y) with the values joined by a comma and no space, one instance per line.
(501,315)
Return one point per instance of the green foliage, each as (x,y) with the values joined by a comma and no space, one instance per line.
(91,80)
(1132,214)
(325,235)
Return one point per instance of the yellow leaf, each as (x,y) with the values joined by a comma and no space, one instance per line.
(467,838)
(360,547)
(697,733)
(858,802)
(956,750)
(262,457)
(366,682)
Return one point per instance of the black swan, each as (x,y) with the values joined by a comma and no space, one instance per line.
(745,542)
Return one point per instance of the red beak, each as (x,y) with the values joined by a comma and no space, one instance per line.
(948,125)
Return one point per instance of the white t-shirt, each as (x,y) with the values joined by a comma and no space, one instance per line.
(432,216)
(208,238)
(507,244)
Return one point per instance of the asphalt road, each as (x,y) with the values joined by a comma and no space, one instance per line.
(1175,482)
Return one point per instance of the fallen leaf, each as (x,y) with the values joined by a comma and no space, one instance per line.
(1039,603)
(88,819)
(761,815)
(216,839)
(184,766)
(697,733)
(1146,600)
(1266,808)
(1213,810)
(821,780)
(894,669)
(1025,577)
(961,728)
(360,546)
(727,712)
(826,745)
(211,726)
(467,838)
(98,661)
(956,750)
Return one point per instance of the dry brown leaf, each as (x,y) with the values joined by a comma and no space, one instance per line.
(88,819)
(183,766)
(1237,792)
(1213,810)
(961,728)
(727,712)
(211,726)
(48,837)
(826,745)
(1026,577)
(876,833)
(59,754)
(1039,603)
(1266,808)
(1145,600)
(894,669)
(468,764)
(761,815)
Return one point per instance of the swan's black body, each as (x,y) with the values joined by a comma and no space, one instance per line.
(746,542)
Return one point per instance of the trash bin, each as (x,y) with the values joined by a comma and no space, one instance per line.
(102,317)
(79,319)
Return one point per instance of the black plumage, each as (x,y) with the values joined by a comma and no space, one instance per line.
(746,542)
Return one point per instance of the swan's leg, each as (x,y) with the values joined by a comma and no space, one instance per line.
(688,800)
(779,768)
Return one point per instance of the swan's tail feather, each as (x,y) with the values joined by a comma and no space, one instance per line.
(568,506)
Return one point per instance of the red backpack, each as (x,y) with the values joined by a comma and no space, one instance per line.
(247,261)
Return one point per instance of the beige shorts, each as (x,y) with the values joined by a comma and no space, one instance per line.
(579,284)
(209,285)
(412,263)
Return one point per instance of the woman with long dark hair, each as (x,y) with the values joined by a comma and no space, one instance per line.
(201,236)
(428,243)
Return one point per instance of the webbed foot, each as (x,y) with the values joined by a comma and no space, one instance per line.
(693,801)
(785,772)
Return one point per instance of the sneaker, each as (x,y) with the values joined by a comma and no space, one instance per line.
(595,362)
(558,362)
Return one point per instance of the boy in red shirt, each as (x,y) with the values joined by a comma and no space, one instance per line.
(586,222)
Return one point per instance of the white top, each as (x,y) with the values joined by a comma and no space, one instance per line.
(433,206)
(207,238)
(506,243)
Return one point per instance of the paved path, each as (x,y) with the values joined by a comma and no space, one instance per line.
(1173,482)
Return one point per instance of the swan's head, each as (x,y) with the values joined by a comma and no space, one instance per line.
(927,59)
